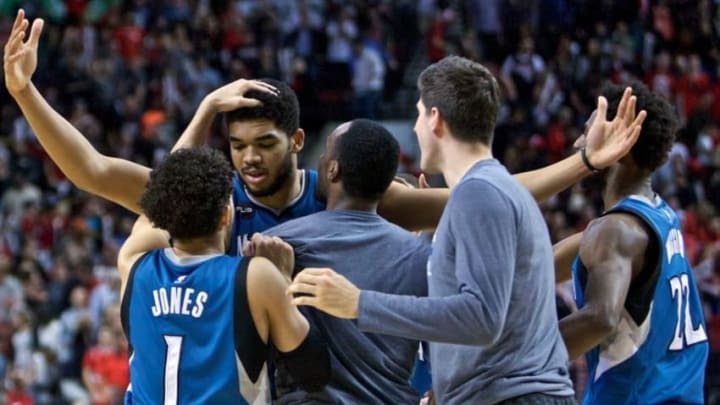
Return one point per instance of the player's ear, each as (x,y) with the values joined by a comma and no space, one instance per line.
(437,123)
(297,141)
(333,171)
(227,215)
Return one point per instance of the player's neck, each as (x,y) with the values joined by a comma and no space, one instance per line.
(622,183)
(458,157)
(337,201)
(199,246)
(286,194)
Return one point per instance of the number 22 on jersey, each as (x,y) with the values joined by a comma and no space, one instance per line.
(686,334)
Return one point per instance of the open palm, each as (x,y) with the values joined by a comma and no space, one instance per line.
(20,57)
(608,141)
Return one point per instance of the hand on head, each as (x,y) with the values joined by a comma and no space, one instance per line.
(232,95)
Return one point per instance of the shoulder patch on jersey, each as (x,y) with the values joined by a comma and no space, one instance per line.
(244,210)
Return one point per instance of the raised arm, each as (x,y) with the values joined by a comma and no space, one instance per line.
(606,142)
(226,98)
(545,182)
(143,238)
(117,180)
(612,249)
(411,208)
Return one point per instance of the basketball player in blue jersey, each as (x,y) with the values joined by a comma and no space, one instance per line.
(199,322)
(264,143)
(640,319)
(265,140)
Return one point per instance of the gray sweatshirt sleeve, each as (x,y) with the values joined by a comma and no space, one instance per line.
(482,230)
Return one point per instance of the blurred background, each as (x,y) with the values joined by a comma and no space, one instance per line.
(130,74)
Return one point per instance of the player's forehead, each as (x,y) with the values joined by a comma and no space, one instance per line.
(251,130)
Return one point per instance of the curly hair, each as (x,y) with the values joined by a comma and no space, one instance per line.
(282,110)
(188,191)
(368,157)
(659,129)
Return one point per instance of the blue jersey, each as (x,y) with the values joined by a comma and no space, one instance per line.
(659,351)
(252,216)
(191,333)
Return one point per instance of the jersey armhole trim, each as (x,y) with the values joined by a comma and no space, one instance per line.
(125,301)
(250,348)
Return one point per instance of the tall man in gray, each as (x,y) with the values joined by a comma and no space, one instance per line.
(491,304)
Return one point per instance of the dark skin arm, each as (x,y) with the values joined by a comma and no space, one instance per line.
(613,251)
(564,253)
(411,208)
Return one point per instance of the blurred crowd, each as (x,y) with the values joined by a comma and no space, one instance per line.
(130,75)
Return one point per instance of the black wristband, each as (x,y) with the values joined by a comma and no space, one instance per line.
(586,161)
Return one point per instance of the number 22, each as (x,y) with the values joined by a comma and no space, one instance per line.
(687,334)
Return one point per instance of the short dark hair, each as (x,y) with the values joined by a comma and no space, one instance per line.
(188,191)
(465,93)
(282,110)
(658,130)
(368,157)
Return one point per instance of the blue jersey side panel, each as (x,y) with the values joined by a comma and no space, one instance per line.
(181,331)
(251,217)
(666,360)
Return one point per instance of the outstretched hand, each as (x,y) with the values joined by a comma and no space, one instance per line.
(327,291)
(232,95)
(607,142)
(20,57)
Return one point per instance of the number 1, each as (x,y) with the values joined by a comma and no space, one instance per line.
(172,365)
